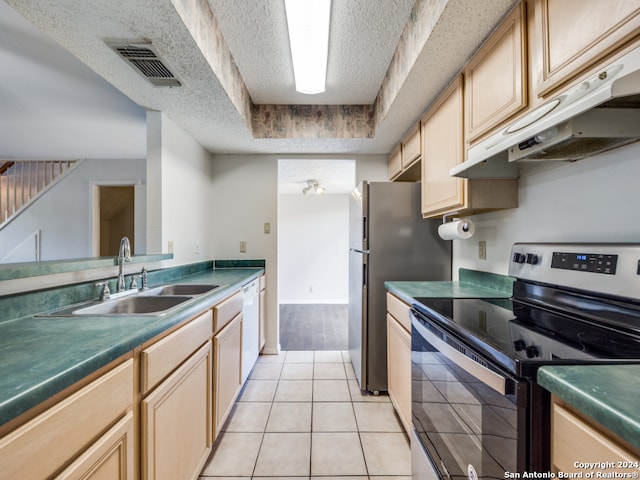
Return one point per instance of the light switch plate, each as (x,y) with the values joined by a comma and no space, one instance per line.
(243,247)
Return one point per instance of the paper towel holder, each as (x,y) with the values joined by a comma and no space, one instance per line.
(465,224)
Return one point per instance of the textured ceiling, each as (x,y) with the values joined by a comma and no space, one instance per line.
(364,40)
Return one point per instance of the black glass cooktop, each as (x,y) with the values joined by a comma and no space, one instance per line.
(520,337)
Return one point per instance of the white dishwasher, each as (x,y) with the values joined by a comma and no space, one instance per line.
(250,327)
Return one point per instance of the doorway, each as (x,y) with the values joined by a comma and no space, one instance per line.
(117,218)
(313,246)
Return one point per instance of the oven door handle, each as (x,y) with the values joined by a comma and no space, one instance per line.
(482,373)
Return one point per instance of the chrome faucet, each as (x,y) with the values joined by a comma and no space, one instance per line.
(124,255)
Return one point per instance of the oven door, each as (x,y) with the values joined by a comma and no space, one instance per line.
(466,413)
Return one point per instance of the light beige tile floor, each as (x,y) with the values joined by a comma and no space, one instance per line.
(302,416)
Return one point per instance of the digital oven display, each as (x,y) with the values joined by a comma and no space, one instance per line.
(585,262)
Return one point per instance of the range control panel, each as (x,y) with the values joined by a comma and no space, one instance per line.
(585,262)
(606,268)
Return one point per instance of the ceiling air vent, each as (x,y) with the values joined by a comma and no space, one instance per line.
(145,60)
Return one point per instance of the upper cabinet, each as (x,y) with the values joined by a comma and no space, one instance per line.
(443,149)
(496,77)
(576,34)
(404,161)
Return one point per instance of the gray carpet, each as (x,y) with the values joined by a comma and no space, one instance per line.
(314,327)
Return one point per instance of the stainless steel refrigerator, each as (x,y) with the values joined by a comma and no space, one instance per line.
(388,240)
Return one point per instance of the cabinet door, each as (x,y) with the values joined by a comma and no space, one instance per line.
(109,458)
(574,439)
(442,149)
(176,421)
(395,162)
(496,77)
(411,147)
(35,450)
(399,370)
(575,34)
(227,348)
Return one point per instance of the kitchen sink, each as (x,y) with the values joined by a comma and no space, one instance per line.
(180,289)
(140,304)
(155,301)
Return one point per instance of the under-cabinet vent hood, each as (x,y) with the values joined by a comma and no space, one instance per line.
(599,114)
(144,59)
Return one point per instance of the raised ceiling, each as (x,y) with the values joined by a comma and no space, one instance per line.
(390,58)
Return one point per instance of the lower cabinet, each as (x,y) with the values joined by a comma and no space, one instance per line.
(576,438)
(176,421)
(109,458)
(61,441)
(227,371)
(399,358)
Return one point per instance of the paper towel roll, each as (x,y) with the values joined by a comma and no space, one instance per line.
(460,229)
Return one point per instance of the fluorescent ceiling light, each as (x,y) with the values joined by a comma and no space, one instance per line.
(308,22)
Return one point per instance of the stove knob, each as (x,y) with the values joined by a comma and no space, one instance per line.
(519,345)
(532,258)
(532,351)
(519,257)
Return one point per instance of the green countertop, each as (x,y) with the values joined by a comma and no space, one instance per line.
(41,356)
(472,284)
(606,393)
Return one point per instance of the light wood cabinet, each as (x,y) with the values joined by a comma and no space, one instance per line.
(227,371)
(262,334)
(404,161)
(442,149)
(42,447)
(176,421)
(109,458)
(576,438)
(399,358)
(395,162)
(575,35)
(496,77)
(164,356)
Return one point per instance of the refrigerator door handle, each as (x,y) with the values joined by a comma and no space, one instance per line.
(364,276)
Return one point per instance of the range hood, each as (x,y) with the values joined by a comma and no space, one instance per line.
(599,114)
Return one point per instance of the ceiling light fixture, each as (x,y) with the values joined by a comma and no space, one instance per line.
(308,22)
(313,186)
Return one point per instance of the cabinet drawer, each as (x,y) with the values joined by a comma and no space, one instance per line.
(164,356)
(226,311)
(573,439)
(45,444)
(399,310)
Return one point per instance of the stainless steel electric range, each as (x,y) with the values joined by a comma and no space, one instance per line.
(477,409)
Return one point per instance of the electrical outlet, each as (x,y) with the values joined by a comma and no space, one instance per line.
(170,246)
(267,227)
(243,247)
(482,250)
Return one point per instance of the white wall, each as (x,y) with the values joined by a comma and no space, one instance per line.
(244,196)
(592,200)
(313,256)
(179,208)
(63,213)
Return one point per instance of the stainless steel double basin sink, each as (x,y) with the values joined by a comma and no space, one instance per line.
(155,301)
